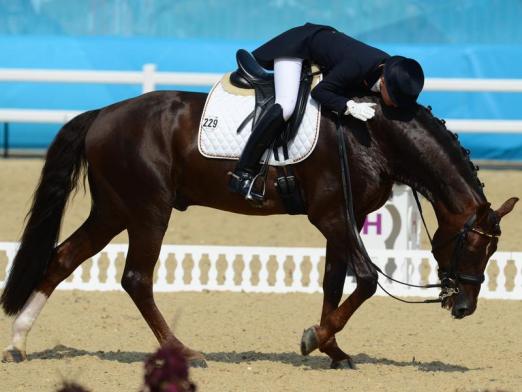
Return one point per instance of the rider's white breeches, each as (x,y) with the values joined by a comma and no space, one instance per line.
(287,72)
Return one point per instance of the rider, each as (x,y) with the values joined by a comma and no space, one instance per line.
(347,65)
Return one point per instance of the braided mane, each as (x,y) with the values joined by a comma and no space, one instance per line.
(448,141)
(464,153)
(450,147)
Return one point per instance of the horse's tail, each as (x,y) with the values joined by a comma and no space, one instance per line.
(63,165)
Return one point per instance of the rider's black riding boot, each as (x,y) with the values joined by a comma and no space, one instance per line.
(265,131)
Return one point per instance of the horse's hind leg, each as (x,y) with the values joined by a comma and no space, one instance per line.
(85,242)
(144,247)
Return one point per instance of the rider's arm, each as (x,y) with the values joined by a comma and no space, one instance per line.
(330,92)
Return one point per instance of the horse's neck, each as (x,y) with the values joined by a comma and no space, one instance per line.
(441,172)
(450,189)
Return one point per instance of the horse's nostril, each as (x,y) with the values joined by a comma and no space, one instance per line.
(460,311)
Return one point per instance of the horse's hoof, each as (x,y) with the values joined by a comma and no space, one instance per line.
(14,355)
(198,363)
(309,341)
(343,364)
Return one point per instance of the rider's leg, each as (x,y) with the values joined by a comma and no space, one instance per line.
(287,72)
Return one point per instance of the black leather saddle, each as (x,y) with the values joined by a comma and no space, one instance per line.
(250,75)
(249,72)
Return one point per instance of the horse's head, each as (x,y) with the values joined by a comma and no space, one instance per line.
(462,252)
(424,154)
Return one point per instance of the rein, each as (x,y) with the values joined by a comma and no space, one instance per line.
(350,217)
(449,279)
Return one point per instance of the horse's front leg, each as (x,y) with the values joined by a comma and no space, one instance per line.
(333,283)
(333,320)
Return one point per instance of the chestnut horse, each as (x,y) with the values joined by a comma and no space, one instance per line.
(142,160)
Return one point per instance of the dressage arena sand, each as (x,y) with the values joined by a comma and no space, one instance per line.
(252,340)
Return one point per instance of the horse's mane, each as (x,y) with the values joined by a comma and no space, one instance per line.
(451,144)
(447,139)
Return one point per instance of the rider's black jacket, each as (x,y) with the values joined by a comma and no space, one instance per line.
(348,64)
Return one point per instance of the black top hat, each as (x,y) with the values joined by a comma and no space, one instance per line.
(404,80)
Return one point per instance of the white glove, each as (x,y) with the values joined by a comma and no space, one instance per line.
(360,110)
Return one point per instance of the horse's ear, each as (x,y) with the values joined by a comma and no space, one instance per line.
(507,207)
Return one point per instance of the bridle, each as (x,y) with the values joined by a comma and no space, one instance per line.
(449,279)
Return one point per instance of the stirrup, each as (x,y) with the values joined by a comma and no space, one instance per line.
(239,182)
(253,196)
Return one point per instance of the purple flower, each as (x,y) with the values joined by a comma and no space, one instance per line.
(167,371)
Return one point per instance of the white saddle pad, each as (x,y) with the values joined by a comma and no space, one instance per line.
(228,106)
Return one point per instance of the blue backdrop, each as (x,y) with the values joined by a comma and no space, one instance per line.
(464,39)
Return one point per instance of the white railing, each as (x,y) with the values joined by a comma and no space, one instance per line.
(149,78)
(467,84)
(271,270)
(37,116)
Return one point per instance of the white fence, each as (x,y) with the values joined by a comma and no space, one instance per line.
(272,270)
(149,78)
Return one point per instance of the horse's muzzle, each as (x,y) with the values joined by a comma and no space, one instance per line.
(462,307)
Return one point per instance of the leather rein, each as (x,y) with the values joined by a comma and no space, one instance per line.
(449,279)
